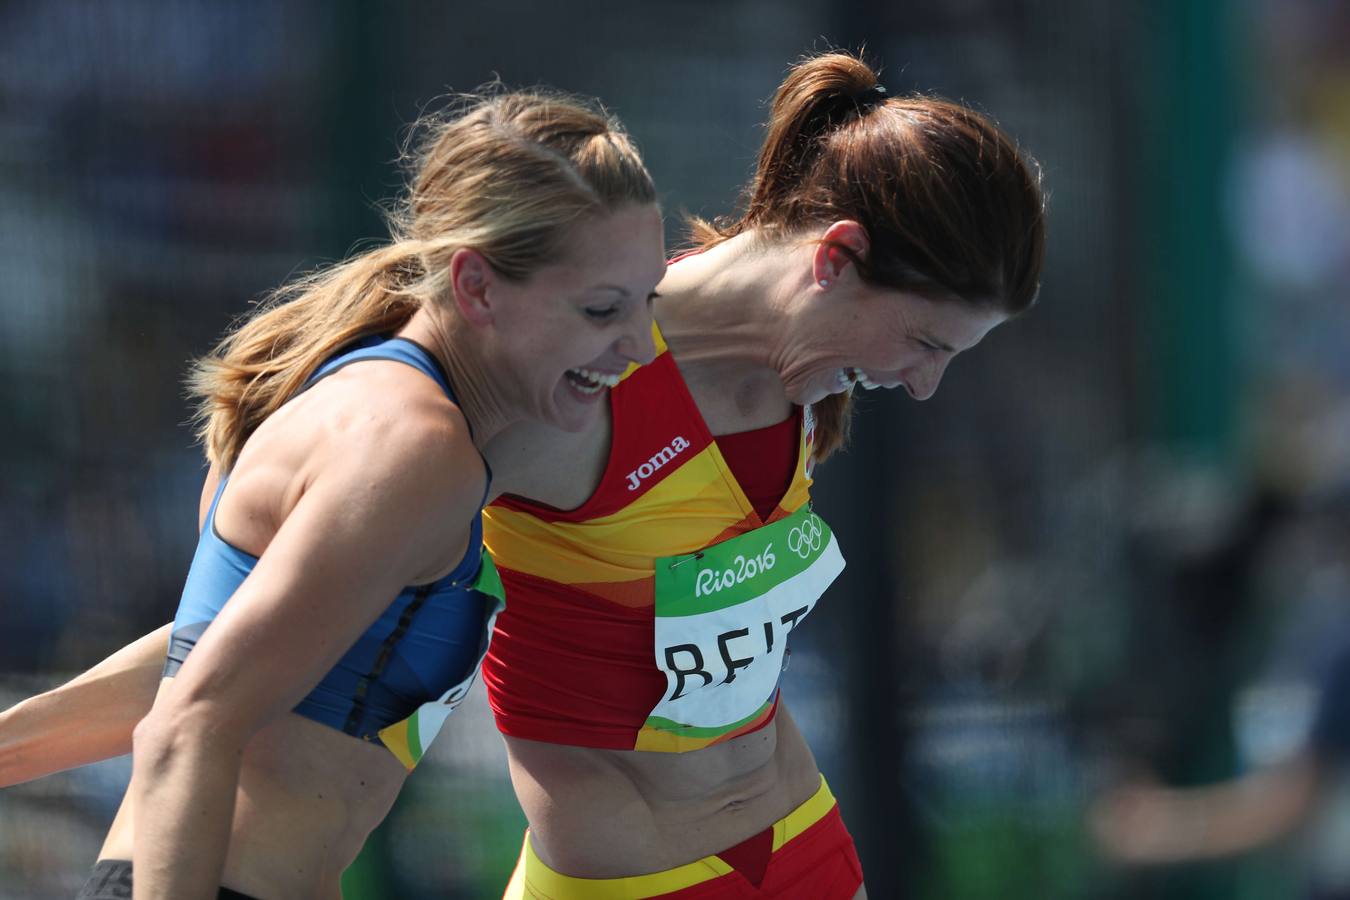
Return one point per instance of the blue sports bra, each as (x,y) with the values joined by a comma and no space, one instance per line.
(409,670)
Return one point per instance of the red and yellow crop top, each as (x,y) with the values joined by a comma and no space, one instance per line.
(572,658)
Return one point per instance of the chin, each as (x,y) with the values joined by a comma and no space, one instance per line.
(808,396)
(810,390)
(572,414)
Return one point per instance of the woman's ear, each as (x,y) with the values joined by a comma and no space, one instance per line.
(471,275)
(831,256)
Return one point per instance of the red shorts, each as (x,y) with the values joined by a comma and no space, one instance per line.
(810,857)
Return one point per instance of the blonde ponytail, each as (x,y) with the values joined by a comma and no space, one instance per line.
(265,361)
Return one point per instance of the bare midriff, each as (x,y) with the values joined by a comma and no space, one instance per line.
(308,797)
(597,813)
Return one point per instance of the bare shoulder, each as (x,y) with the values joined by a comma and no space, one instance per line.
(395,424)
(392,461)
(376,448)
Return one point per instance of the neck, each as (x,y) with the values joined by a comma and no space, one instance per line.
(730,316)
(475,393)
(725,308)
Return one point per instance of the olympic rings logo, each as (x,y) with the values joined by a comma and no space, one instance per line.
(806,538)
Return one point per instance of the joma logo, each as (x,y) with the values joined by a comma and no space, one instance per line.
(663,456)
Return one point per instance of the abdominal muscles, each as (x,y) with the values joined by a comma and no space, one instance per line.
(609,814)
(308,797)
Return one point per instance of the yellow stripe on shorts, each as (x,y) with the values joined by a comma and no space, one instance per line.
(533,880)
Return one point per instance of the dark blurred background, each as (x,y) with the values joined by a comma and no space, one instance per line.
(1115,543)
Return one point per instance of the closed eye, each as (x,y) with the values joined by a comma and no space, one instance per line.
(601,313)
(934,346)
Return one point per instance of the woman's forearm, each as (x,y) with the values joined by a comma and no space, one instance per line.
(183,785)
(1152,825)
(88,719)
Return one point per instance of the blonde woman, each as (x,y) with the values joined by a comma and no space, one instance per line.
(329,622)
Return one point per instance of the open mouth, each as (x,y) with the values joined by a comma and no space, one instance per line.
(589,381)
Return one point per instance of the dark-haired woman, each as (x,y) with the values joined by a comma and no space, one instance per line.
(658,568)
(660,563)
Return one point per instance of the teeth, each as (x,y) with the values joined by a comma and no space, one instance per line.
(608,379)
(857,375)
(589,381)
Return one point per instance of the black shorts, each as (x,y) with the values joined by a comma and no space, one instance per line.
(111,880)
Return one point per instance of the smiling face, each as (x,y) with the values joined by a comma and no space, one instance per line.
(567,333)
(882,338)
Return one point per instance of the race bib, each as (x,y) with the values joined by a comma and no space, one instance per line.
(723,616)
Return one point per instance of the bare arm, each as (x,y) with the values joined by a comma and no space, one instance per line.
(1152,825)
(87,719)
(91,717)
(390,509)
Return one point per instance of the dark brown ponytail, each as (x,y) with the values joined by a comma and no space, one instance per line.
(952,210)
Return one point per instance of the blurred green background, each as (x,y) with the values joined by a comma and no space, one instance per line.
(1116,541)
